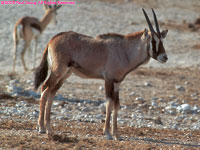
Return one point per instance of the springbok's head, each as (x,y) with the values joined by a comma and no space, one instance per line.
(52,10)
(157,50)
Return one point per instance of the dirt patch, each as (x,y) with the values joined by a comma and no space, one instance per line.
(19,132)
(196,47)
(62,138)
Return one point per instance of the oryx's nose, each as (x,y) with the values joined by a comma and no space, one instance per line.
(165,57)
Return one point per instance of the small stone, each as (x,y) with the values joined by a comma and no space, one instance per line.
(60,118)
(101,88)
(172,97)
(175,126)
(186,83)
(179,118)
(157,120)
(195,109)
(173,104)
(162,100)
(29,82)
(171,110)
(154,103)
(56,104)
(128,89)
(184,108)
(86,109)
(180,88)
(148,84)
(103,107)
(194,95)
(132,93)
(71,95)
(139,99)
(11,82)
(154,98)
(35,113)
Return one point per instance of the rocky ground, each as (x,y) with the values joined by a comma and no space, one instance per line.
(159,103)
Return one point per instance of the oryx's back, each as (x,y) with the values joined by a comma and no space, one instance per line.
(88,54)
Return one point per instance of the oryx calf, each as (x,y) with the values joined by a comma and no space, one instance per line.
(28,28)
(109,57)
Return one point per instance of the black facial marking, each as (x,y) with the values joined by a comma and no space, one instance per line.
(155,53)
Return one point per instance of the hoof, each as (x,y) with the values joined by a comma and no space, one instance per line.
(118,138)
(109,137)
(42,131)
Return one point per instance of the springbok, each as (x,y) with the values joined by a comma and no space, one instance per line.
(109,57)
(28,28)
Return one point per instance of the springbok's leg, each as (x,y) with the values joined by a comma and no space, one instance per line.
(16,42)
(50,100)
(26,45)
(109,96)
(34,52)
(115,111)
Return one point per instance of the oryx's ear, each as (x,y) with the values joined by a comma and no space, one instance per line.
(145,35)
(145,32)
(164,33)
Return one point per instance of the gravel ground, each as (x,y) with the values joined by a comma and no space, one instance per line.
(159,103)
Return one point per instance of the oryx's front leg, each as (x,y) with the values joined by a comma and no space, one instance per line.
(112,96)
(115,111)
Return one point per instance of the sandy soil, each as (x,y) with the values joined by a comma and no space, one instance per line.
(93,18)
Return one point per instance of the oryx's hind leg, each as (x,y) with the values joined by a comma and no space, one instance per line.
(50,100)
(112,95)
(46,92)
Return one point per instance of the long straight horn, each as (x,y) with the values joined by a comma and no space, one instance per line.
(156,22)
(148,21)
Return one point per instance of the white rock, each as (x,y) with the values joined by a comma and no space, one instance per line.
(147,84)
(29,82)
(11,82)
(195,109)
(35,113)
(171,110)
(139,99)
(101,88)
(56,104)
(184,108)
(71,95)
(132,93)
(60,117)
(103,107)
(154,103)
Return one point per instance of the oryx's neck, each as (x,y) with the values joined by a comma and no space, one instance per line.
(137,50)
(46,19)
